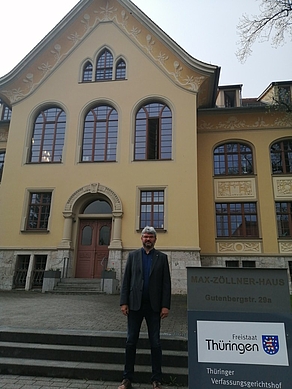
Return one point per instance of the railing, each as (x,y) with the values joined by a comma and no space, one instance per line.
(20,278)
(37,278)
(104,262)
(65,267)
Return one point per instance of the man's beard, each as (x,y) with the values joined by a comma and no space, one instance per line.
(148,245)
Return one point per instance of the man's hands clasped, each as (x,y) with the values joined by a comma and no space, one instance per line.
(163,314)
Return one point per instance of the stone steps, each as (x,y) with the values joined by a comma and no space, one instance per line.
(79,286)
(81,355)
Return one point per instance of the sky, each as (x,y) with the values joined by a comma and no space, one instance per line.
(206,29)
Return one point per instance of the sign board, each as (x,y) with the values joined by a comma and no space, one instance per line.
(240,330)
(238,289)
(247,343)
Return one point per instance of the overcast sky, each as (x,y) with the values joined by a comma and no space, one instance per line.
(206,29)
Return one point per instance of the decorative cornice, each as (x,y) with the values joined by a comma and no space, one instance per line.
(3,135)
(94,188)
(243,121)
(282,188)
(234,189)
(180,67)
(285,247)
(239,247)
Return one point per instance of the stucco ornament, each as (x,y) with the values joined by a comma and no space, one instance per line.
(236,247)
(85,21)
(125,18)
(107,12)
(234,123)
(75,38)
(60,46)
(57,51)
(286,247)
(94,188)
(29,80)
(235,189)
(45,68)
(162,58)
(150,42)
(284,187)
(3,135)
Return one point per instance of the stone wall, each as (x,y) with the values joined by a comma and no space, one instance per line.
(179,260)
(8,264)
(7,267)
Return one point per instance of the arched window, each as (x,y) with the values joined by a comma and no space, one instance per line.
(104,66)
(5,111)
(281,156)
(2,159)
(86,238)
(233,158)
(100,134)
(121,70)
(153,132)
(104,236)
(87,72)
(48,136)
(98,207)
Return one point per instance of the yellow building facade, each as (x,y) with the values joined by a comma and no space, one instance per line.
(108,126)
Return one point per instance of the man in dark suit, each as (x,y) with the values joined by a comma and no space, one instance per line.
(145,293)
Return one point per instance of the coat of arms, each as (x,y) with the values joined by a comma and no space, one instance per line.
(270,344)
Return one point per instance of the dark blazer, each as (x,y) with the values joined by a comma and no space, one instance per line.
(159,281)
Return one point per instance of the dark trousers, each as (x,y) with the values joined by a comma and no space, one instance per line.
(153,321)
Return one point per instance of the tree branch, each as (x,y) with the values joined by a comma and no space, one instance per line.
(273,22)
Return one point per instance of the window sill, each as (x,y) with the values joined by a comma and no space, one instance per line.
(238,238)
(97,161)
(35,231)
(158,230)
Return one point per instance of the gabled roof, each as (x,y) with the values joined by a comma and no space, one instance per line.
(272,85)
(177,64)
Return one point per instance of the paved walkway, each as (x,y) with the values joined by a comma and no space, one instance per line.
(21,382)
(89,313)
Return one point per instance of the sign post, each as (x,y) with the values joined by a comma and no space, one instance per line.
(239,328)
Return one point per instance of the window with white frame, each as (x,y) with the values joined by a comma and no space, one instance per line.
(237,220)
(48,136)
(233,158)
(87,72)
(104,66)
(2,159)
(38,213)
(284,219)
(100,134)
(152,208)
(121,70)
(281,156)
(153,132)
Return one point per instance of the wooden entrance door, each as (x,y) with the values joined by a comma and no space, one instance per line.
(93,242)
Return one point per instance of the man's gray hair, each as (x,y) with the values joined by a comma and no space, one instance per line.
(148,230)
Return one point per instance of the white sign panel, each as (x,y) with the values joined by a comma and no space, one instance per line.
(253,343)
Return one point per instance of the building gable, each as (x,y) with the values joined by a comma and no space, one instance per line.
(80,22)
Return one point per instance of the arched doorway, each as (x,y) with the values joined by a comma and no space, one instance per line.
(94,238)
(72,212)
